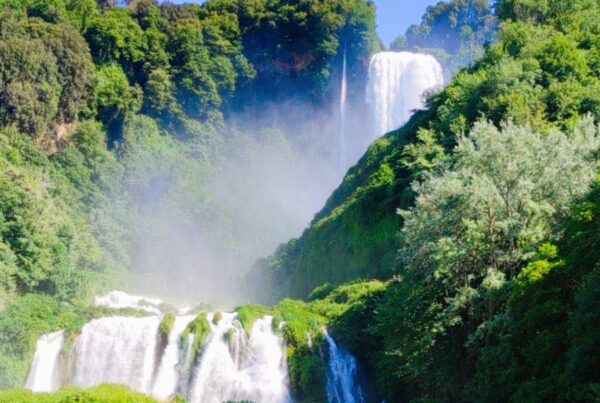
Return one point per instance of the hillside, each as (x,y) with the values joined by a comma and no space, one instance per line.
(540,73)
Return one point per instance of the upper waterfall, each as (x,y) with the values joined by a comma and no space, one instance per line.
(343,99)
(396,84)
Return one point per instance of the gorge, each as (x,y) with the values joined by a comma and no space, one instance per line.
(294,211)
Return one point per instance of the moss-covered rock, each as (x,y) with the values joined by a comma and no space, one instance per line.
(217,318)
(165,328)
(249,314)
(303,333)
(199,328)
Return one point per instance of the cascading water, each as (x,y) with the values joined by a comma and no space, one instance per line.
(343,96)
(116,350)
(235,367)
(169,369)
(396,84)
(44,372)
(345,382)
(232,365)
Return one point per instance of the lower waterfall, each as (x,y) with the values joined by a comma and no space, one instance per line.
(44,371)
(116,350)
(232,365)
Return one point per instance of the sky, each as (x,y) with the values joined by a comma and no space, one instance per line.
(393,16)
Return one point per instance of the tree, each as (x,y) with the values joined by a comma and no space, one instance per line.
(74,64)
(115,36)
(29,85)
(474,225)
(114,98)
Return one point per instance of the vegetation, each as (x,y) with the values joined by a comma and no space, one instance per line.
(103,393)
(495,264)
(249,314)
(166,327)
(102,105)
(198,328)
(518,79)
(455,32)
(217,317)
(480,217)
(303,326)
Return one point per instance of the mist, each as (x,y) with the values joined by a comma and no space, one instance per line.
(202,211)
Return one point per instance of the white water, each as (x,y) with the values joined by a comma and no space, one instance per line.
(343,375)
(126,350)
(167,377)
(231,366)
(234,367)
(44,371)
(119,299)
(396,84)
(343,98)
(116,350)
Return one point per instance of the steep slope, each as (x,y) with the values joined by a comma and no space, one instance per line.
(540,73)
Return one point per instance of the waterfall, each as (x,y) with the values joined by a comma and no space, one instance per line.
(116,350)
(231,366)
(44,371)
(119,299)
(345,382)
(167,377)
(235,367)
(396,84)
(343,95)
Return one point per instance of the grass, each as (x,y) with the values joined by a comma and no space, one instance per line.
(106,393)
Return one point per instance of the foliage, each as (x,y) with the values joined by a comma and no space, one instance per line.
(29,92)
(22,321)
(166,327)
(217,317)
(302,326)
(453,31)
(473,227)
(46,74)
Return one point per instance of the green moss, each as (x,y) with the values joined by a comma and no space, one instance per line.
(249,314)
(166,326)
(199,328)
(303,332)
(105,393)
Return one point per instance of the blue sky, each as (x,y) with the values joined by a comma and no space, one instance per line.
(393,16)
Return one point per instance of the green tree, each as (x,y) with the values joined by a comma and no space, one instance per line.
(29,85)
(114,97)
(473,227)
(74,64)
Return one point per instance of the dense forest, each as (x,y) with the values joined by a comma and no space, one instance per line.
(457,260)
